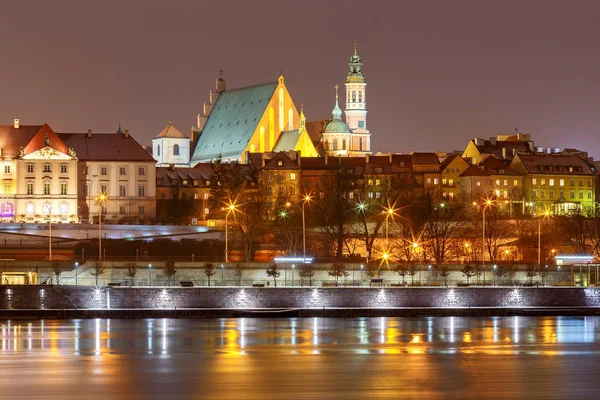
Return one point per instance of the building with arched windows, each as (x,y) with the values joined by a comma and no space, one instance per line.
(171,147)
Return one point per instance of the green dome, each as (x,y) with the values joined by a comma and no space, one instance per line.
(337,126)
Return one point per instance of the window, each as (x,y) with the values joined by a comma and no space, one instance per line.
(141,171)
(292,177)
(63,188)
(552,194)
(435,181)
(370,182)
(122,210)
(29,188)
(142,209)
(377,182)
(206,210)
(47,168)
(196,182)
(184,196)
(534,193)
(561,194)
(158,150)
(141,191)
(280,191)
(543,193)
(30,168)
(444,181)
(551,182)
(451,182)
(589,182)
(581,194)
(122,170)
(589,194)
(104,170)
(478,183)
(429,181)
(63,208)
(370,195)
(104,188)
(377,195)
(185,182)
(7,188)
(572,194)
(580,182)
(175,152)
(506,182)
(205,196)
(533,181)
(122,190)
(280,163)
(572,182)
(497,182)
(30,208)
(351,195)
(7,169)
(570,169)
(516,182)
(543,182)
(63,168)
(159,182)
(321,195)
(46,188)
(561,182)
(505,194)
(451,195)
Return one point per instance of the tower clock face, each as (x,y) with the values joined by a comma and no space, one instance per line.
(361,124)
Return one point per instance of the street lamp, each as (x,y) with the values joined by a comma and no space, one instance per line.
(494,273)
(545,214)
(149,274)
(76,265)
(305,200)
(487,203)
(230,208)
(222,268)
(293,266)
(101,199)
(388,212)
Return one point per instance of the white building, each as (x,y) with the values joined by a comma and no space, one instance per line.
(171,147)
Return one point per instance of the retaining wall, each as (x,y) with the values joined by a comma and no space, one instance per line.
(85,297)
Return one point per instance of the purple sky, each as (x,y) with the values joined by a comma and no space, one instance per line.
(438,72)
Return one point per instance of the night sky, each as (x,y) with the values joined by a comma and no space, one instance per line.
(438,72)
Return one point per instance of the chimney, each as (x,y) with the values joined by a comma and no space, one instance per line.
(391,158)
(89,134)
(493,141)
(16,123)
(504,152)
(126,133)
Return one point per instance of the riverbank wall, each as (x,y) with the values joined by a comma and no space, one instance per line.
(39,300)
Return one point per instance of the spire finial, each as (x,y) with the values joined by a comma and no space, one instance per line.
(336,91)
(355,47)
(337,111)
(170,120)
(220,71)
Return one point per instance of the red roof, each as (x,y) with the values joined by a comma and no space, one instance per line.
(105,147)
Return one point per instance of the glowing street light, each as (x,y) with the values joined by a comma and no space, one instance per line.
(101,199)
(305,199)
(388,212)
(545,214)
(487,204)
(149,274)
(230,208)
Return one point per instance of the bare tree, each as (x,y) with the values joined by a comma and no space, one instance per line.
(306,271)
(578,230)
(532,271)
(442,271)
(132,271)
(57,270)
(209,271)
(337,270)
(412,271)
(468,271)
(238,272)
(97,270)
(336,212)
(169,271)
(274,272)
(402,270)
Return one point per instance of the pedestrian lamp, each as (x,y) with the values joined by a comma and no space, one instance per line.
(293,266)
(222,268)
(361,276)
(545,214)
(495,267)
(101,199)
(230,208)
(288,204)
(388,212)
(76,265)
(487,204)
(149,274)
(546,275)
(428,274)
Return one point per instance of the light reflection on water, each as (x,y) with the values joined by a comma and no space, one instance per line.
(320,348)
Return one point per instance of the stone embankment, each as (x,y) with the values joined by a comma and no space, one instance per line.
(84,301)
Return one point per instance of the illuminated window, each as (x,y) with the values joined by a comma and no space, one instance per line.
(444,181)
(292,176)
(497,182)
(206,211)
(435,181)
(7,169)
(351,195)
(377,195)
(506,194)
(429,181)
(561,182)
(451,195)
(377,182)
(551,182)
(516,182)
(370,195)
(478,183)
(63,208)
(543,182)
(206,196)
(30,208)
(506,182)
(451,182)
(321,195)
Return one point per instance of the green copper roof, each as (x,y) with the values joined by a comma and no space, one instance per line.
(232,122)
(355,74)
(337,125)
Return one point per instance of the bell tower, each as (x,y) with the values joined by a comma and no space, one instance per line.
(356,104)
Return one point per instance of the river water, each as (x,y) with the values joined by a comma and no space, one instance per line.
(301,358)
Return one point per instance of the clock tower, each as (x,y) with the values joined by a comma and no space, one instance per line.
(356,104)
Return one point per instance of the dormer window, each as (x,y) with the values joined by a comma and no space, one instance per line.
(280,163)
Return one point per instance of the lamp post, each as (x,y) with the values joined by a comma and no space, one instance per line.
(230,208)
(293,266)
(305,200)
(361,275)
(494,273)
(487,203)
(544,215)
(149,274)
(222,268)
(101,200)
(76,265)
(388,212)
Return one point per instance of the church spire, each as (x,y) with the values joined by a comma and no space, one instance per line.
(302,125)
(337,111)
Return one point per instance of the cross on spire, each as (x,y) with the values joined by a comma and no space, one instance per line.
(336,91)
(355,46)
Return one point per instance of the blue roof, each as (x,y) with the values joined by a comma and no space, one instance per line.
(232,122)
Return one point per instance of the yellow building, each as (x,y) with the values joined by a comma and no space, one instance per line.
(245,120)
(556,182)
(452,167)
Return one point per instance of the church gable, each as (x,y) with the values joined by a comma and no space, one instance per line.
(48,153)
